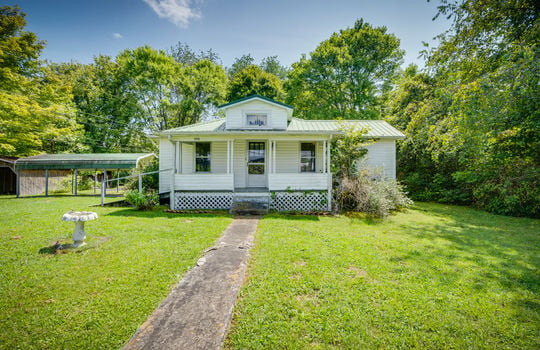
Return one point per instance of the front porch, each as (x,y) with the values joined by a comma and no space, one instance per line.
(210,173)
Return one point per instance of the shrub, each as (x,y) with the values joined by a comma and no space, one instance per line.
(149,182)
(369,194)
(142,201)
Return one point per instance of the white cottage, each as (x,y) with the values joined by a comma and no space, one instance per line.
(260,154)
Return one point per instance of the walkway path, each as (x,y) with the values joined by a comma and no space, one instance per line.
(196,314)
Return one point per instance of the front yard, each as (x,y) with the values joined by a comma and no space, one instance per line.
(98,296)
(432,277)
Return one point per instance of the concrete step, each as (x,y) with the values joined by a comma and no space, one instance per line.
(251,205)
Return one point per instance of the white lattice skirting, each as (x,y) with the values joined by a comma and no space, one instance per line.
(299,201)
(203,200)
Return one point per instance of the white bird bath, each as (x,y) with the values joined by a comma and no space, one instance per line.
(79,218)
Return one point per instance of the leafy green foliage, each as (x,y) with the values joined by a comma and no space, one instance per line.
(253,80)
(142,200)
(473,120)
(36,113)
(348,149)
(345,74)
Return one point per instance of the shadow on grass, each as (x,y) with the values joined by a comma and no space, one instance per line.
(293,217)
(501,249)
(160,213)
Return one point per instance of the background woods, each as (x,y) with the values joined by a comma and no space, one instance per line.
(470,116)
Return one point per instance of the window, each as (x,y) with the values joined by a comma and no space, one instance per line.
(202,157)
(256,153)
(256,120)
(307,157)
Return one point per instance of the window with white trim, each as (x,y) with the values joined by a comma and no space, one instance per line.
(257,120)
(307,157)
(202,157)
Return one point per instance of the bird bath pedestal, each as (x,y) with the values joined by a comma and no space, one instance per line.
(79,218)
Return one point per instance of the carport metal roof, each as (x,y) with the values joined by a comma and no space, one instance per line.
(82,161)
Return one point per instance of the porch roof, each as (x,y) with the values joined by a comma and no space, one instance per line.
(376,128)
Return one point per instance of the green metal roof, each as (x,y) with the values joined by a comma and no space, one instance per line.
(250,97)
(376,128)
(82,161)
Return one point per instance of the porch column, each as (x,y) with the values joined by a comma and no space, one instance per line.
(329,174)
(179,169)
(173,173)
(270,152)
(177,158)
(228,156)
(324,156)
(232,157)
(274,157)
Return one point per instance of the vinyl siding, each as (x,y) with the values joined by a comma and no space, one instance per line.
(235,115)
(239,163)
(166,161)
(218,157)
(382,154)
(287,156)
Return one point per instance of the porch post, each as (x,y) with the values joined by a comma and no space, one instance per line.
(228,156)
(46,182)
(274,157)
(329,174)
(324,156)
(173,173)
(232,156)
(177,158)
(270,152)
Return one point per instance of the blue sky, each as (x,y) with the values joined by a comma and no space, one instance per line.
(78,30)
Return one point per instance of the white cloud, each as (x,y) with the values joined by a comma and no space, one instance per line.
(117,35)
(179,12)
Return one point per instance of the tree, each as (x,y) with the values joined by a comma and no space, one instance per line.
(36,113)
(473,123)
(345,75)
(348,149)
(184,54)
(241,63)
(272,65)
(253,80)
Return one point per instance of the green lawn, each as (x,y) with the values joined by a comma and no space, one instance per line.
(98,296)
(434,276)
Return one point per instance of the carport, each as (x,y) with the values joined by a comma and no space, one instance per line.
(46,163)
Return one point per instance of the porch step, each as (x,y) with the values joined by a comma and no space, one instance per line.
(250,204)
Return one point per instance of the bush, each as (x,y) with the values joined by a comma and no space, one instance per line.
(142,201)
(149,182)
(370,194)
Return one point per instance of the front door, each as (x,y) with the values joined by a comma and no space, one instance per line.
(256,167)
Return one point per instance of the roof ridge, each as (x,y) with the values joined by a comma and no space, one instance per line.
(267,99)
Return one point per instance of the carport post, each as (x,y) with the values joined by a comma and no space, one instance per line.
(18,189)
(104,184)
(95,181)
(103,189)
(140,183)
(75,175)
(46,182)
(118,180)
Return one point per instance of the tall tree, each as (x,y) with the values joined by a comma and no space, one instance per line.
(345,75)
(474,134)
(253,80)
(241,63)
(36,114)
(272,65)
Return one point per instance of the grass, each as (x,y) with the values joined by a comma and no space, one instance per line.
(434,276)
(95,296)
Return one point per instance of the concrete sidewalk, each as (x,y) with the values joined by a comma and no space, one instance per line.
(196,314)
